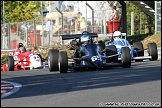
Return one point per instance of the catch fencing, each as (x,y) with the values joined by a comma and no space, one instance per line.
(14,33)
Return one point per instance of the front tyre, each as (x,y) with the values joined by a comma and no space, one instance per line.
(53,60)
(63,62)
(152,51)
(126,57)
(10,63)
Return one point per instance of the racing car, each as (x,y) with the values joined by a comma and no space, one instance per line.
(22,60)
(136,51)
(86,55)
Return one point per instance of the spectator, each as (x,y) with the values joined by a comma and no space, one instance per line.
(95,27)
(48,30)
(5,37)
(114,15)
(81,21)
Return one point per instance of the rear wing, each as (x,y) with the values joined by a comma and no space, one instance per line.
(77,36)
(110,35)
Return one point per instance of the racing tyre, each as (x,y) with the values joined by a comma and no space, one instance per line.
(10,63)
(63,62)
(126,57)
(152,51)
(111,50)
(53,60)
(138,46)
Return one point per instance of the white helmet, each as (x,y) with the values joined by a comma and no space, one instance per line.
(117,34)
(85,38)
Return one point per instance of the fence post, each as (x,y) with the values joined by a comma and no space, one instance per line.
(61,25)
(35,41)
(92,16)
(8,31)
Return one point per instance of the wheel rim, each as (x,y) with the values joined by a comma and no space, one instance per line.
(49,65)
(59,65)
(7,65)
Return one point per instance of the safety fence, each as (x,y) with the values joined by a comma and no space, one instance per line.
(14,33)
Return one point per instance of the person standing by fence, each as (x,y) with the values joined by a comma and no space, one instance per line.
(48,30)
(5,37)
(114,15)
(82,22)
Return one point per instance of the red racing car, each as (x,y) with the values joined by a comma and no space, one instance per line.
(21,59)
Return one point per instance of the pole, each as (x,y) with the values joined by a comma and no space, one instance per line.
(132,23)
(92,16)
(42,23)
(140,23)
(86,16)
(35,41)
(3,11)
(62,24)
(155,17)
(8,31)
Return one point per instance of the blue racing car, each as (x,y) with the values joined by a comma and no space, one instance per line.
(136,51)
(87,54)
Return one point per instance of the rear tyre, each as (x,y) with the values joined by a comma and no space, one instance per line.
(53,60)
(126,57)
(63,62)
(152,51)
(111,50)
(138,46)
(10,63)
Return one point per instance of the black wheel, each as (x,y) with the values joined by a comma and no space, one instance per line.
(138,46)
(111,50)
(53,60)
(63,62)
(10,63)
(126,57)
(152,51)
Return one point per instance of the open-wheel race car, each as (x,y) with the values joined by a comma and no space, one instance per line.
(20,59)
(136,50)
(86,55)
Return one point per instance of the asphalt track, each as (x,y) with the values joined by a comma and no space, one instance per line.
(139,85)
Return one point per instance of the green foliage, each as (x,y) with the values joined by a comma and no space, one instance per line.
(147,21)
(13,10)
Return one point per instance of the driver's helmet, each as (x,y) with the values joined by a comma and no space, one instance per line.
(117,35)
(21,47)
(85,38)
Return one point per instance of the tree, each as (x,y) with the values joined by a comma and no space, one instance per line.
(130,7)
(13,10)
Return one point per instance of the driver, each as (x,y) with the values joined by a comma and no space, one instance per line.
(117,35)
(118,41)
(20,49)
(84,39)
